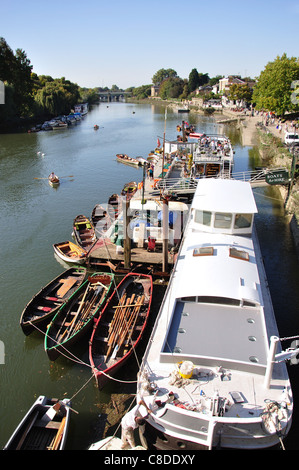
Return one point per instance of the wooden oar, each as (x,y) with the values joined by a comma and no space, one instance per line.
(56,443)
(67,330)
(116,328)
(69,176)
(123,321)
(131,323)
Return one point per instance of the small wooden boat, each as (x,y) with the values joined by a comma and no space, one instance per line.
(70,252)
(76,316)
(50,298)
(44,427)
(120,326)
(53,180)
(100,219)
(129,189)
(123,158)
(114,202)
(84,232)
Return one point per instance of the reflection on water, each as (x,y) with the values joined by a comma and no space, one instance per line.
(34,216)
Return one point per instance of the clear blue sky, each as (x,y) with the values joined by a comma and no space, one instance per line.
(125,42)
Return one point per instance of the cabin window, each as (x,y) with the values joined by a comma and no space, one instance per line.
(223,220)
(240,254)
(243,221)
(203,251)
(203,217)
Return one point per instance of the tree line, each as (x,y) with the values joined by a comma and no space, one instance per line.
(275,90)
(28,95)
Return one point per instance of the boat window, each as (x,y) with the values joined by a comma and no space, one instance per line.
(203,251)
(188,299)
(218,300)
(243,220)
(239,254)
(203,217)
(223,220)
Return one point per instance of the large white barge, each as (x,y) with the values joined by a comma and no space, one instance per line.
(211,370)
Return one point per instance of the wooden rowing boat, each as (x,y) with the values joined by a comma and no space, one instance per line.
(76,316)
(100,219)
(44,427)
(114,202)
(120,326)
(53,181)
(123,158)
(84,232)
(43,306)
(129,189)
(70,252)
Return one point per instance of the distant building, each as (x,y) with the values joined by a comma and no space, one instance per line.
(154,91)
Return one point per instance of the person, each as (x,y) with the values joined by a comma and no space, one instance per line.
(130,422)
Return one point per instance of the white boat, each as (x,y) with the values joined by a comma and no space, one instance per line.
(208,372)
(213,156)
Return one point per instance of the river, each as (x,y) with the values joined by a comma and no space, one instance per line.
(34,216)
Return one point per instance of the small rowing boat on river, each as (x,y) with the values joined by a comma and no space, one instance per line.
(120,326)
(53,180)
(70,252)
(84,232)
(44,427)
(50,298)
(76,316)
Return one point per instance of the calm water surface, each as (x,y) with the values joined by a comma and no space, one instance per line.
(34,216)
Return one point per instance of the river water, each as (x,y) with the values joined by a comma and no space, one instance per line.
(34,216)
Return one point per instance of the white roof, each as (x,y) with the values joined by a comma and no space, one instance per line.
(221,195)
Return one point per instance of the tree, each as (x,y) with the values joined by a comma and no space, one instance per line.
(57,96)
(15,72)
(193,80)
(240,92)
(171,88)
(274,91)
(162,75)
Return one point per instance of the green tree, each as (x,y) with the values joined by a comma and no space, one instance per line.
(273,90)
(240,92)
(162,75)
(171,88)
(57,96)
(193,80)
(15,72)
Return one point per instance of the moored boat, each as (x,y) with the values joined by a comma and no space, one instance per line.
(211,372)
(120,326)
(129,189)
(49,299)
(123,158)
(100,219)
(44,427)
(114,202)
(76,315)
(70,252)
(84,232)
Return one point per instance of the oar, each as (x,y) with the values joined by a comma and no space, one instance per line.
(69,176)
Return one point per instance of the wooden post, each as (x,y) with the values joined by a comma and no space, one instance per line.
(127,239)
(165,231)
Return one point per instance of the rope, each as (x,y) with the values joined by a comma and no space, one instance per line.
(79,361)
